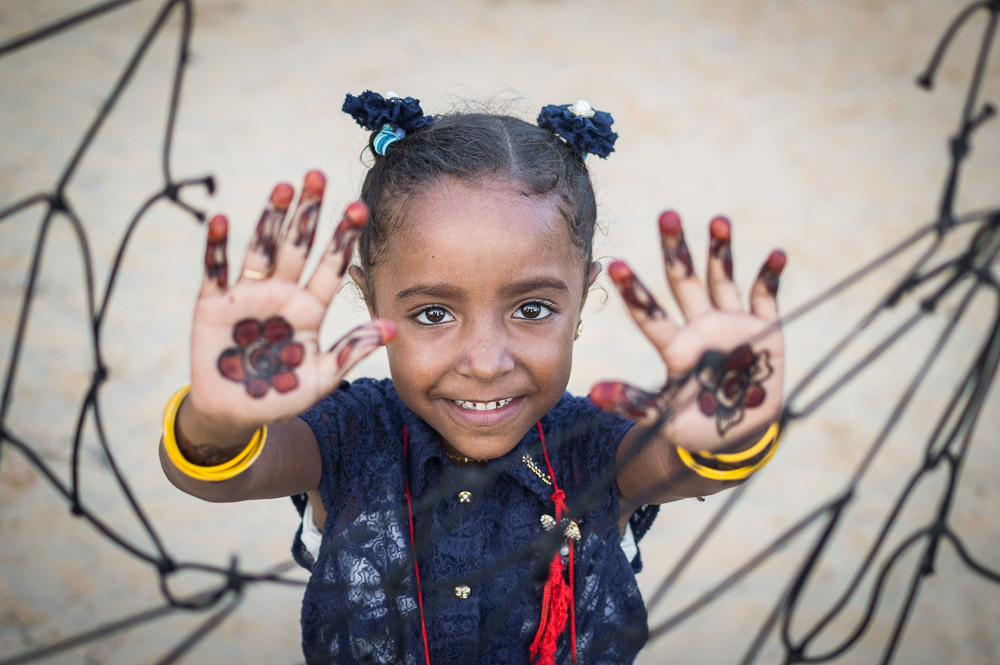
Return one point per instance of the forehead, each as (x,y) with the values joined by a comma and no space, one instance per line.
(460,231)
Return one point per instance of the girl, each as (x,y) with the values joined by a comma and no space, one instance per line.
(470,511)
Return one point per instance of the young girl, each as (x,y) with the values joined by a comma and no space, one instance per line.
(470,510)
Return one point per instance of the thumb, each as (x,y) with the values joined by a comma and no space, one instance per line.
(350,349)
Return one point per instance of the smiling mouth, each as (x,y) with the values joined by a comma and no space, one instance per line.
(483,406)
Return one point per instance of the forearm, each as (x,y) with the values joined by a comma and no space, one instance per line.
(652,471)
(288,463)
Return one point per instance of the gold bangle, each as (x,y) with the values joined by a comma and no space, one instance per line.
(228,469)
(771,438)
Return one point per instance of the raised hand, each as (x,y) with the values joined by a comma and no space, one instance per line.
(255,354)
(725,366)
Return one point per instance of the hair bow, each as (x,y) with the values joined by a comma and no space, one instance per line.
(390,115)
(585,129)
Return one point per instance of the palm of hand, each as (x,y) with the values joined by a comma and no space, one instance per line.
(255,354)
(725,367)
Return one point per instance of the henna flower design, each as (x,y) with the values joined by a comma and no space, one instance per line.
(731,383)
(264,356)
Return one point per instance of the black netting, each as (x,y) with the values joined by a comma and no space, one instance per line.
(949,271)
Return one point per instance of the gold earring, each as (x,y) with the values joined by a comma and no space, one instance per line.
(579,330)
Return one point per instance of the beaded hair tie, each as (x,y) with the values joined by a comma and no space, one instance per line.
(390,115)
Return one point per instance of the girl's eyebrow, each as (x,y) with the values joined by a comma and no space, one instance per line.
(535,284)
(448,291)
(431,291)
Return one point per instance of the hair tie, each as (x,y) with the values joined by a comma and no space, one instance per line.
(390,115)
(585,129)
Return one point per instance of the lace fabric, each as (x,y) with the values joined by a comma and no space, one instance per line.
(483,560)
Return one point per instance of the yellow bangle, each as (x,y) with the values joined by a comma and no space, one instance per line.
(224,471)
(770,436)
(770,446)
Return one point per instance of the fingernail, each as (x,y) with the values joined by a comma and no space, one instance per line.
(720,231)
(355,217)
(675,250)
(623,399)
(216,267)
(387,330)
(356,214)
(771,271)
(282,195)
(670,223)
(314,183)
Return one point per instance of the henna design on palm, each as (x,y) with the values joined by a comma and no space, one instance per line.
(264,356)
(731,383)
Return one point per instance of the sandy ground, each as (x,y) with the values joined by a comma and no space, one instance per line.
(800,120)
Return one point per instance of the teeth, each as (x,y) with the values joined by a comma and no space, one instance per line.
(483,406)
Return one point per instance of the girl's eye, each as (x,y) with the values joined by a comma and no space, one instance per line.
(533,311)
(433,315)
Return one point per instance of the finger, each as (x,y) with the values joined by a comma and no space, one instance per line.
(259,261)
(299,237)
(626,400)
(721,288)
(216,266)
(325,281)
(763,296)
(350,349)
(688,291)
(645,311)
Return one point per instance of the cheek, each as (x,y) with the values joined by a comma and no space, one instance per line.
(413,365)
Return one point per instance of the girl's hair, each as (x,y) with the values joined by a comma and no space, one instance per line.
(476,148)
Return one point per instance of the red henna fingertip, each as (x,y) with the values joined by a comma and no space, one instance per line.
(218,227)
(720,228)
(281,195)
(607,395)
(314,183)
(670,222)
(771,271)
(619,271)
(387,330)
(356,214)
(776,261)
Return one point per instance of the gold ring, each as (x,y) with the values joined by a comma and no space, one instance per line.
(257,274)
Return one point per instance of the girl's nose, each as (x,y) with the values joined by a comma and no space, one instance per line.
(486,355)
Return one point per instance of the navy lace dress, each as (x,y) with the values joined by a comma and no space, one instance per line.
(481,548)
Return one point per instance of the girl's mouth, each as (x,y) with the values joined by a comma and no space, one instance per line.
(483,406)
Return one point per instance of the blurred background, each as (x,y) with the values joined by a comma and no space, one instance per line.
(799,120)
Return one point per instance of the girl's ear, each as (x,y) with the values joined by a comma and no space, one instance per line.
(595,270)
(359,278)
(592,274)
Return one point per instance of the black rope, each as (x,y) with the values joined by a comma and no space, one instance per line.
(929,280)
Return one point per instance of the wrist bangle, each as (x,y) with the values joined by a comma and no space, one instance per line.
(719,466)
(228,469)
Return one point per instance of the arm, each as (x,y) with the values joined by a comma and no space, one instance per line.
(725,370)
(288,464)
(255,356)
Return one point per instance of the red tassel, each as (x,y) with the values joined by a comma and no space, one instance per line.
(556,602)
(557,597)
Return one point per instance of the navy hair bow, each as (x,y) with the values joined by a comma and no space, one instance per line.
(374,111)
(586,130)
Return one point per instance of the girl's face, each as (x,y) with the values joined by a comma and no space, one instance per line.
(486,289)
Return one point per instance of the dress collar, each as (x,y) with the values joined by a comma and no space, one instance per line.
(525,464)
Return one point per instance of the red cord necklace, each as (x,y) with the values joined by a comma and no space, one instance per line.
(557,596)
